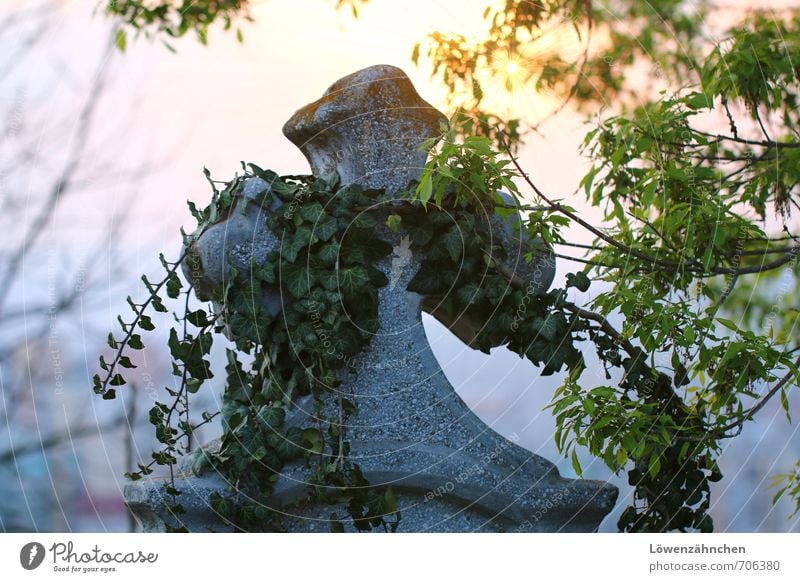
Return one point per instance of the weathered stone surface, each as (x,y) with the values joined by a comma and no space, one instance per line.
(451,472)
(234,242)
(368,126)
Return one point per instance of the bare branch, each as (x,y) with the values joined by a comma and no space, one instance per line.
(62,185)
(57,438)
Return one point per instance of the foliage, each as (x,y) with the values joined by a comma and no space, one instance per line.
(697,229)
(789,484)
(682,378)
(324,273)
(175,18)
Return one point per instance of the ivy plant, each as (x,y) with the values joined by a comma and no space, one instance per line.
(324,270)
(696,229)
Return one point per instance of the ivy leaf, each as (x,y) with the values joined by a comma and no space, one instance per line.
(146,323)
(363,247)
(328,253)
(352,280)
(312,212)
(348,340)
(292,245)
(547,327)
(365,221)
(377,278)
(173,285)
(198,318)
(325,228)
(193,385)
(270,417)
(297,279)
(177,348)
(202,459)
(468,294)
(453,241)
(394,221)
(431,279)
(125,362)
(578,280)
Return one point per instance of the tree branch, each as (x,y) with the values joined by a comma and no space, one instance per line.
(62,185)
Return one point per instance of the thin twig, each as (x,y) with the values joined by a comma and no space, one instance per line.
(62,185)
(748,414)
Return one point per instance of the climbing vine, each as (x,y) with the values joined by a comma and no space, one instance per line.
(323,272)
(678,383)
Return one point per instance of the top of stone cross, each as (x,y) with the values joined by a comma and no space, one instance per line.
(369,126)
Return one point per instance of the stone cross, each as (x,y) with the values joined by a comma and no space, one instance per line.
(450,471)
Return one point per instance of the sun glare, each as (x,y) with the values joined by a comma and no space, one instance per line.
(512,68)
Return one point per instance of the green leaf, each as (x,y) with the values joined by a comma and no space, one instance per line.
(325,228)
(198,318)
(347,340)
(117,380)
(352,280)
(697,101)
(785,405)
(193,385)
(578,280)
(654,466)
(121,40)
(312,212)
(135,342)
(293,244)
(365,221)
(328,253)
(270,416)
(431,279)
(394,222)
(453,241)
(297,279)
(389,500)
(425,188)
(201,460)
(731,325)
(173,285)
(125,362)
(546,326)
(576,464)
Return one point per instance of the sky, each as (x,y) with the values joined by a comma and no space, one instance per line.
(215,106)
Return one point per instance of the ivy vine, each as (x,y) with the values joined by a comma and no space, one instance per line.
(324,272)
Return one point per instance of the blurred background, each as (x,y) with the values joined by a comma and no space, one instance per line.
(99,151)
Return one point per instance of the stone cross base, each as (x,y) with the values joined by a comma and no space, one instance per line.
(438,489)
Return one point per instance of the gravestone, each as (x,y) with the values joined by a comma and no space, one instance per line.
(449,470)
